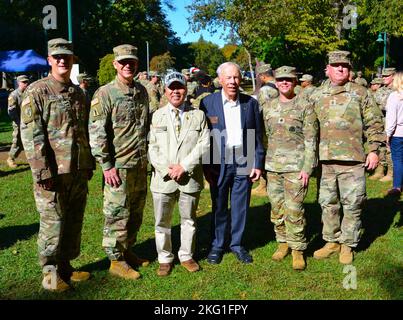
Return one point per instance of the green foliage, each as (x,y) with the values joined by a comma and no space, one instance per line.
(208,55)
(98,26)
(106,72)
(300,32)
(162,62)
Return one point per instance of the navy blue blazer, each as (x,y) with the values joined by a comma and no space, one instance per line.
(251,118)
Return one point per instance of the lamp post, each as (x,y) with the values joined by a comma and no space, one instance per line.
(383,37)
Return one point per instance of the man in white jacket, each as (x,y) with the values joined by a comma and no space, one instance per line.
(179,138)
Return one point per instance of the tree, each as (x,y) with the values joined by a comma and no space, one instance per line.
(162,62)
(98,26)
(208,55)
(297,32)
(106,72)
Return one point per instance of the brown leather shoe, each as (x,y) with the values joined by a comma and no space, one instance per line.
(164,269)
(135,261)
(190,265)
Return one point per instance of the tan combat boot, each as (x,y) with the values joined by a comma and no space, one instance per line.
(53,282)
(298,262)
(11,163)
(134,261)
(67,272)
(123,270)
(281,252)
(378,174)
(329,249)
(346,255)
(388,177)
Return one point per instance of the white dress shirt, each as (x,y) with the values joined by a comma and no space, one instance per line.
(232,115)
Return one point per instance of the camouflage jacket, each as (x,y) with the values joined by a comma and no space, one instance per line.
(119,124)
(14,105)
(347,115)
(361,82)
(381,96)
(154,96)
(54,129)
(265,93)
(291,132)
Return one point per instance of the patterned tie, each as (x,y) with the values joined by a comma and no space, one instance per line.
(177,122)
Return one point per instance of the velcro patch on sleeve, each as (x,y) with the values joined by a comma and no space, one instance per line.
(11,100)
(27,111)
(96,112)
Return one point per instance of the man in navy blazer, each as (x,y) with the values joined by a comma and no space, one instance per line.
(236,160)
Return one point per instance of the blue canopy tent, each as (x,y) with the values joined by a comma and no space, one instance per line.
(22,61)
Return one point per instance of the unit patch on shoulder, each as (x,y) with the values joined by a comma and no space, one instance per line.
(11,100)
(27,111)
(96,112)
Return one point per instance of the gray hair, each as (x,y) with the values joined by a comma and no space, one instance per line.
(224,65)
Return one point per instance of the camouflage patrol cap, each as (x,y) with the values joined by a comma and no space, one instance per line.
(174,77)
(59,46)
(185,72)
(339,57)
(154,74)
(388,72)
(22,78)
(125,51)
(83,76)
(377,81)
(263,68)
(306,77)
(285,72)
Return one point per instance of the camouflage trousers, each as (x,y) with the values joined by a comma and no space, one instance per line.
(61,217)
(386,160)
(123,211)
(16,145)
(164,204)
(287,194)
(342,186)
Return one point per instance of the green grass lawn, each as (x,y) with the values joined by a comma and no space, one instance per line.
(378,262)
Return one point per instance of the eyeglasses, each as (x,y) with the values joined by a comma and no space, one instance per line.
(284,79)
(61,56)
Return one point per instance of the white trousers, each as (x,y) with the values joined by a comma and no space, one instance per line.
(163,208)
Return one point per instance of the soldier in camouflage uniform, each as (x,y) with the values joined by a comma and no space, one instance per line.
(191,85)
(306,85)
(360,80)
(291,130)
(54,133)
(376,84)
(119,121)
(178,139)
(14,111)
(381,96)
(346,113)
(84,82)
(153,91)
(267,92)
